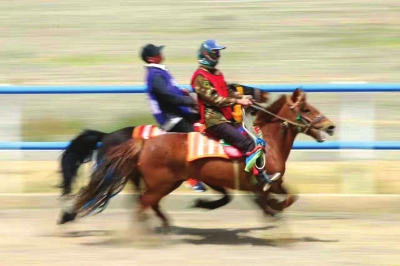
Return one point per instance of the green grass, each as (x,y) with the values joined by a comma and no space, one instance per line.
(49,129)
(102,43)
(56,130)
(90,60)
(95,60)
(393,42)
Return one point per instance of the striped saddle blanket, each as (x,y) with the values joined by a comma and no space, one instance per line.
(199,145)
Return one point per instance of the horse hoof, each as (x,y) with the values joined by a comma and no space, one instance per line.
(290,200)
(166,230)
(66,217)
(142,217)
(198,203)
(278,216)
(270,211)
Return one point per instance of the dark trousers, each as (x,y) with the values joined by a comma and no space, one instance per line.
(183,126)
(229,133)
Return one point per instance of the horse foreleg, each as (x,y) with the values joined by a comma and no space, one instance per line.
(290,198)
(261,202)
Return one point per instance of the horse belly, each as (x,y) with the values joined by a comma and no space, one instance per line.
(221,172)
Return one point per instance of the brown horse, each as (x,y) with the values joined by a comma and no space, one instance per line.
(167,160)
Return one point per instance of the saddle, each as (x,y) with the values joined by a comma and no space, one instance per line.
(204,145)
(255,160)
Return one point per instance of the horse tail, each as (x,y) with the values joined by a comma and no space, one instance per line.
(113,172)
(79,151)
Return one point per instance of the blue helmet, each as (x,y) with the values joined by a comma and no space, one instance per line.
(209,54)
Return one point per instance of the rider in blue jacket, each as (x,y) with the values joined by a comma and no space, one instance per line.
(173,108)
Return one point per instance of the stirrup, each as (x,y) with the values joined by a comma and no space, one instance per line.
(266,186)
(274,177)
(269,179)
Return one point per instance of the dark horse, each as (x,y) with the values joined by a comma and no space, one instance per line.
(165,161)
(81,148)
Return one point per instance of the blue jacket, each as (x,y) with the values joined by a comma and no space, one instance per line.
(167,101)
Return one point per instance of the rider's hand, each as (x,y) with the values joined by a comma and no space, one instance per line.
(245,102)
(185,91)
(264,97)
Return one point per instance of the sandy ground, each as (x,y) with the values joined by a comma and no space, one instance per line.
(222,237)
(305,176)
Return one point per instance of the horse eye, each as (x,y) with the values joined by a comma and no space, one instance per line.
(306,110)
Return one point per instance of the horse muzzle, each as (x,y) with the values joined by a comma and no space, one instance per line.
(325,131)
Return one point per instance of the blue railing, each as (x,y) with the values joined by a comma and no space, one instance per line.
(333,87)
(298,145)
(367,87)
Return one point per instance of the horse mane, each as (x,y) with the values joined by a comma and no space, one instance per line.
(275,107)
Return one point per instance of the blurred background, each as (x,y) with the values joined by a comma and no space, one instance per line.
(269,42)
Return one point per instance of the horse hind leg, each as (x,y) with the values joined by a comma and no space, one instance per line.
(165,221)
(151,198)
(140,231)
(213,204)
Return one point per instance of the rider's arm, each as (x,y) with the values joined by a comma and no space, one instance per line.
(160,89)
(208,94)
(233,93)
(254,92)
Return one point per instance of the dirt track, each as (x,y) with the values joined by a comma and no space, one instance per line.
(325,177)
(222,237)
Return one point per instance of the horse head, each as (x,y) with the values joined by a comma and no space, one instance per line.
(316,125)
(298,115)
(290,115)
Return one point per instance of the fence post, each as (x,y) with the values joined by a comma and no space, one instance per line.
(357,115)
(12,161)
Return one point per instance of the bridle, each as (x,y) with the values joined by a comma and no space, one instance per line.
(303,123)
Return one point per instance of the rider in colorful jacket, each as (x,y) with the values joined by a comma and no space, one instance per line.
(216,99)
(173,108)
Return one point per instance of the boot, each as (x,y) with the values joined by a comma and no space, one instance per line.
(267,179)
(195,185)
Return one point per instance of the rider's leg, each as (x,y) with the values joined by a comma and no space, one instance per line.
(186,127)
(230,134)
(196,185)
(182,126)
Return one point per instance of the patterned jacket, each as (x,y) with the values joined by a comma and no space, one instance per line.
(212,100)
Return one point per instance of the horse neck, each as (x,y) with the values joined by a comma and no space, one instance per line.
(278,145)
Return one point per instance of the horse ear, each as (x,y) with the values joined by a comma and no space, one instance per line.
(298,97)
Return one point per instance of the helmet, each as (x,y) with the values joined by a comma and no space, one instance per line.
(209,54)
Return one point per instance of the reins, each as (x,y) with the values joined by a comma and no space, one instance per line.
(262,109)
(306,123)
